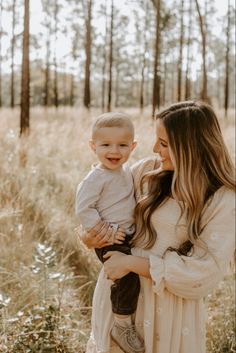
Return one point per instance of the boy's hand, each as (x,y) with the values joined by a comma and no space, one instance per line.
(119,236)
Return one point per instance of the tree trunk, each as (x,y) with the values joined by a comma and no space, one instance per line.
(187,80)
(164,83)
(110,58)
(156,71)
(117,87)
(141,97)
(203,35)
(104,62)
(55,85)
(72,97)
(117,82)
(172,82)
(47,69)
(226,93)
(25,78)
(218,88)
(13,42)
(1,9)
(181,41)
(88,43)
(75,58)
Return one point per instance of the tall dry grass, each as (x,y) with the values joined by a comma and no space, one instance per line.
(46,275)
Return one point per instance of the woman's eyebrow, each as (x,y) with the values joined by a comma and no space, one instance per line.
(162,140)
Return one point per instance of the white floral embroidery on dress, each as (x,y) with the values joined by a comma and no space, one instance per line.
(141,296)
(147,323)
(139,324)
(159,310)
(185,331)
(214,236)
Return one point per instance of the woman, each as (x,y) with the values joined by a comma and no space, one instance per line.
(184,237)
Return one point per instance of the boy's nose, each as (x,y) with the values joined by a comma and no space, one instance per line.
(115,149)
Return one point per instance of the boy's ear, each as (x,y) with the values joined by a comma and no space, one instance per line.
(92,145)
(134,144)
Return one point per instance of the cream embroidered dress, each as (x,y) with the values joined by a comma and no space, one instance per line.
(170,314)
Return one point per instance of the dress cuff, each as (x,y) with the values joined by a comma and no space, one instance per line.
(157,274)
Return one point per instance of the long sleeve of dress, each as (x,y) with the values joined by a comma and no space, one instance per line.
(193,277)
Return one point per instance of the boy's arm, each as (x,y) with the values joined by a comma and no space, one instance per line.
(87,195)
(94,232)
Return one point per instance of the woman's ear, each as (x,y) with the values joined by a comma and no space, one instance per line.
(92,145)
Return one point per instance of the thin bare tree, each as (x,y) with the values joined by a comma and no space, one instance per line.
(180,60)
(156,69)
(226,85)
(187,79)
(13,44)
(104,65)
(25,77)
(55,81)
(88,44)
(143,64)
(47,74)
(1,32)
(202,25)
(110,58)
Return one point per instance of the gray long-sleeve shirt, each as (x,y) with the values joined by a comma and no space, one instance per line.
(106,195)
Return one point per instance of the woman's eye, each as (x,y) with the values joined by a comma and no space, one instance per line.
(163,144)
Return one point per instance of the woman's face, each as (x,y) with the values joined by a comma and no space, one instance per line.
(162,146)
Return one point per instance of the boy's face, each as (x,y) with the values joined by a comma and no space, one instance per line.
(113,146)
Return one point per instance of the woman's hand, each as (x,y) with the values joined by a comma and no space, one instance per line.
(103,234)
(117,265)
(98,236)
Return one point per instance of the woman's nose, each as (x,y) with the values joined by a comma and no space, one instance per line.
(156,148)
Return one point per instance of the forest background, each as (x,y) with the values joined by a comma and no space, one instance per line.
(61,64)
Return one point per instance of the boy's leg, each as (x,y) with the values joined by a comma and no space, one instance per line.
(100,253)
(125,293)
(124,297)
(115,247)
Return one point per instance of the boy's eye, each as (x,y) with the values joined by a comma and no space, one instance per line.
(105,144)
(123,145)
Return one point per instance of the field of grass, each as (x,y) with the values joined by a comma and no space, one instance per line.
(46,275)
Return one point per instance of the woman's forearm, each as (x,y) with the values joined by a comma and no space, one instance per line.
(139,265)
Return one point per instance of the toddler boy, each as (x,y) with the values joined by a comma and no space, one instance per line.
(107,194)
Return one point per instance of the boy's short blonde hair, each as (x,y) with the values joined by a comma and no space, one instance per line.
(113,120)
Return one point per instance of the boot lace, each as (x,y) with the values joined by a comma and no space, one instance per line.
(131,333)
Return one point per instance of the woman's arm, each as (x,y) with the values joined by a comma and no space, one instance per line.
(119,265)
(193,277)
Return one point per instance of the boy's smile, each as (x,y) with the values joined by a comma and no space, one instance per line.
(113,146)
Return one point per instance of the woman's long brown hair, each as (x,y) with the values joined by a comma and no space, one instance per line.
(201,166)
